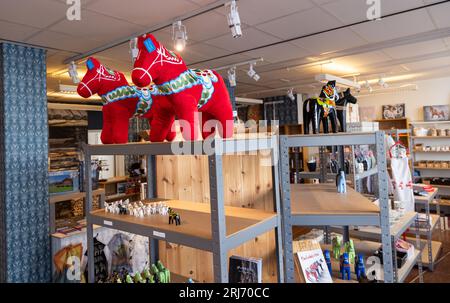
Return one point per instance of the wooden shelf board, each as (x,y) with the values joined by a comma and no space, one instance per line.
(430,168)
(374,233)
(323,199)
(120,196)
(431,137)
(115,180)
(73,196)
(427,199)
(431,152)
(59,235)
(195,218)
(436,247)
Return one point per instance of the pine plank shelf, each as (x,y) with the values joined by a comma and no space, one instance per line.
(436,250)
(434,223)
(374,233)
(195,228)
(430,168)
(432,151)
(431,137)
(428,199)
(320,204)
(116,197)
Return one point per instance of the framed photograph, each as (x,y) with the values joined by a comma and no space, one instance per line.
(436,113)
(395,111)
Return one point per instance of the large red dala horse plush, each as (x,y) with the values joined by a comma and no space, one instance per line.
(121,102)
(186,92)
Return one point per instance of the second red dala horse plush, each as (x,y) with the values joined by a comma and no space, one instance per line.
(186,92)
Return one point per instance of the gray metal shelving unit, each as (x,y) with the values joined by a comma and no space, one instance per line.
(380,218)
(220,240)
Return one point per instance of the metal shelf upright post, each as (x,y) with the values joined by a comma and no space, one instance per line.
(221,238)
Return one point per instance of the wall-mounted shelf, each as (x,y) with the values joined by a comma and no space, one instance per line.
(430,168)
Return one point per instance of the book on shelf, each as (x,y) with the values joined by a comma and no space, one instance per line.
(310,262)
(245,270)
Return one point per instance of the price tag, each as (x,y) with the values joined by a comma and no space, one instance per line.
(108,223)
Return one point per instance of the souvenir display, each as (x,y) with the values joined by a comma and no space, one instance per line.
(137,209)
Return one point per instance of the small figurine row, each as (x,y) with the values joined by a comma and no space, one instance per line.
(346,259)
(155,274)
(137,209)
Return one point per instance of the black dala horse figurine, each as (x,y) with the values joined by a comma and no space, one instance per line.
(341,107)
(316,110)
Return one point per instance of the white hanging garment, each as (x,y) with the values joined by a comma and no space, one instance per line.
(401,182)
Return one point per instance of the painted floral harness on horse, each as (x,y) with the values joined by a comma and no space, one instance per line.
(184,81)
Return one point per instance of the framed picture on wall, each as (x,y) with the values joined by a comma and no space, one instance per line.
(436,113)
(395,111)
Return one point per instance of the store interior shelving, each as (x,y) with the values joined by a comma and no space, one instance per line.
(211,227)
(322,205)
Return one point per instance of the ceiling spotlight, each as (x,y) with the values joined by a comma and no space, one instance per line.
(134,51)
(383,83)
(234,21)
(290,94)
(73,73)
(179,36)
(252,73)
(232,76)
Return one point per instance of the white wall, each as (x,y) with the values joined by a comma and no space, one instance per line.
(430,92)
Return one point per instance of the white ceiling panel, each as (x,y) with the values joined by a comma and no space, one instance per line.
(96,27)
(416,49)
(206,50)
(143,12)
(440,62)
(62,41)
(34,14)
(440,15)
(16,32)
(362,60)
(227,61)
(350,11)
(269,9)
(395,27)
(280,52)
(207,26)
(301,23)
(330,41)
(251,38)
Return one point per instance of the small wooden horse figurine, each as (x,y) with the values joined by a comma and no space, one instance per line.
(174,217)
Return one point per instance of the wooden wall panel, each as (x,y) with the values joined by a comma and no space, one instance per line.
(246,184)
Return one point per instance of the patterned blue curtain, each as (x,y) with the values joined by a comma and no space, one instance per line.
(24,219)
